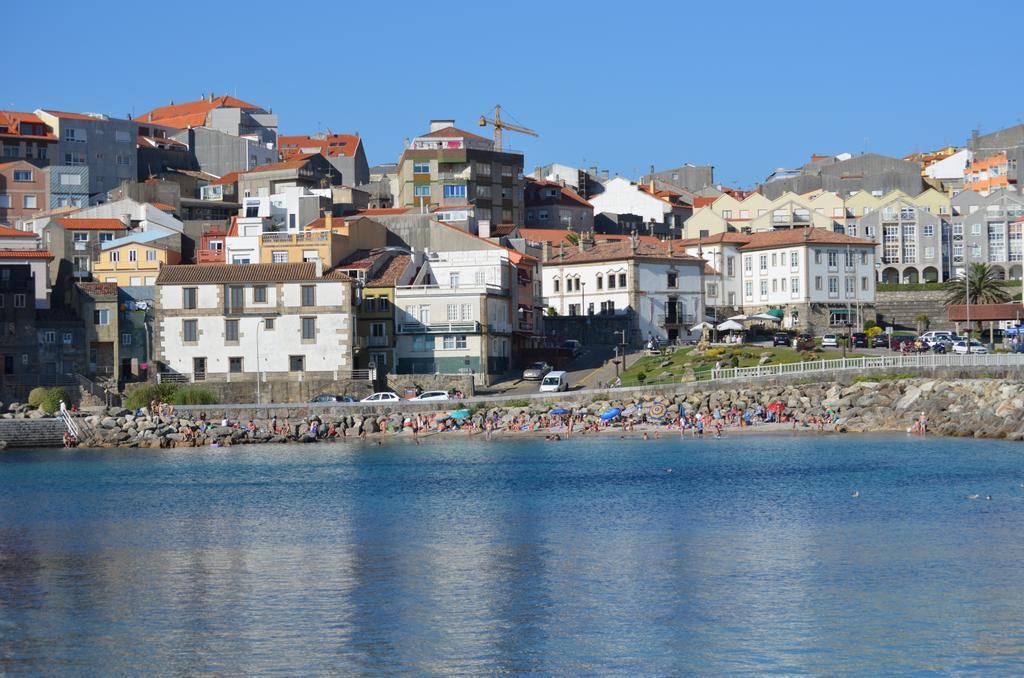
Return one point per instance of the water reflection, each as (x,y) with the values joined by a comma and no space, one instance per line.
(519,557)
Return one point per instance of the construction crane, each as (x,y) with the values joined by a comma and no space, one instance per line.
(498,124)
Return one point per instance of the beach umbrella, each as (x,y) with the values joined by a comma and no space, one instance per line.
(739,317)
(610,413)
(770,317)
(699,327)
(459,414)
(559,410)
(730,325)
(657,411)
(777,407)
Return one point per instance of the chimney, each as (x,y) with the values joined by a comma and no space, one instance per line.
(582,243)
(319,267)
(545,251)
(441,124)
(328,221)
(632,243)
(484,228)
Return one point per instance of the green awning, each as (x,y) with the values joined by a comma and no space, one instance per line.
(777,312)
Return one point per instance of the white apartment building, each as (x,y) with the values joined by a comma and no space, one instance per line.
(455,314)
(815,277)
(287,212)
(659,287)
(227,323)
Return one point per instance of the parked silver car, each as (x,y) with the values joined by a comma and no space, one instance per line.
(536,371)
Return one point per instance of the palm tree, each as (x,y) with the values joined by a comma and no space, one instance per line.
(982,285)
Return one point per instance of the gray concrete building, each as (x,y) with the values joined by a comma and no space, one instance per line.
(878,174)
(686,177)
(220,153)
(988,229)
(107,146)
(912,242)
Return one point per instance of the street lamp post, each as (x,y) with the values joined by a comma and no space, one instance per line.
(583,305)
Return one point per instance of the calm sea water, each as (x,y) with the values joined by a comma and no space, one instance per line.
(578,557)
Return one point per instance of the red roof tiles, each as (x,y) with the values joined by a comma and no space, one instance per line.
(73,224)
(451,133)
(193,113)
(803,236)
(331,145)
(25,254)
(6,232)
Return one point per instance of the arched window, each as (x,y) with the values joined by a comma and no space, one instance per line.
(556,284)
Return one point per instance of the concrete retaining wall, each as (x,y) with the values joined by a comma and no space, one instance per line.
(32,432)
(901,309)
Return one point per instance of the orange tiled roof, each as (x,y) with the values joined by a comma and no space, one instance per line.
(6,232)
(193,113)
(292,163)
(162,206)
(72,224)
(803,236)
(66,114)
(13,120)
(241,273)
(331,146)
(622,249)
(229,178)
(25,254)
(557,235)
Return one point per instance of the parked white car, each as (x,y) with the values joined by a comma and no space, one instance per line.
(432,395)
(829,341)
(383,396)
(976,347)
(554,382)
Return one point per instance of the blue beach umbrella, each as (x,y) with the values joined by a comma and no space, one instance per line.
(610,413)
(460,414)
(559,410)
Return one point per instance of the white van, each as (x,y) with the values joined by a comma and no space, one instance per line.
(554,381)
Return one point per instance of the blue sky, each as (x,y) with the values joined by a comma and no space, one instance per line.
(746,87)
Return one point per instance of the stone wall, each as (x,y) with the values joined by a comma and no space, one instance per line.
(900,309)
(601,329)
(430,382)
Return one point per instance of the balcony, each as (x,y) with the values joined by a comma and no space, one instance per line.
(376,342)
(676,320)
(211,256)
(300,238)
(471,327)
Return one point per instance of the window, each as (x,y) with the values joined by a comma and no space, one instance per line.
(123,159)
(730,266)
(235,365)
(122,137)
(851,286)
(421,191)
(748,289)
(975,229)
(259,294)
(712,289)
(455,190)
(74,134)
(80,236)
(421,168)
(864,282)
(775,259)
(5,201)
(453,280)
(480,278)
(236,298)
(421,343)
(748,265)
(126,338)
(794,286)
(309,329)
(833,259)
(622,280)
(817,282)
(467,312)
(763,261)
(727,214)
(74,158)
(68,338)
(506,170)
(452,312)
(928,230)
(190,331)
(929,252)
(833,286)
(231,330)
(775,285)
(600,281)
(70,180)
(49,337)
(296,363)
(764,288)
(23,175)
(81,264)
(555,284)
(268,324)
(309,295)
(794,260)
(279,257)
(133,255)
(190,297)
(150,255)
(611,281)
(673,280)
(453,342)
(106,237)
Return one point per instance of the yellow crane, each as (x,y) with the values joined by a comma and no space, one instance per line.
(499,125)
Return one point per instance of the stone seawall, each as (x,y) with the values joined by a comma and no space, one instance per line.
(979,407)
(901,309)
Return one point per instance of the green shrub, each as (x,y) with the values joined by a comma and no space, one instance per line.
(193,395)
(51,399)
(869,323)
(518,403)
(36,395)
(641,377)
(143,395)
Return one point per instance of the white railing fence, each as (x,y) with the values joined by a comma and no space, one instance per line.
(916,361)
